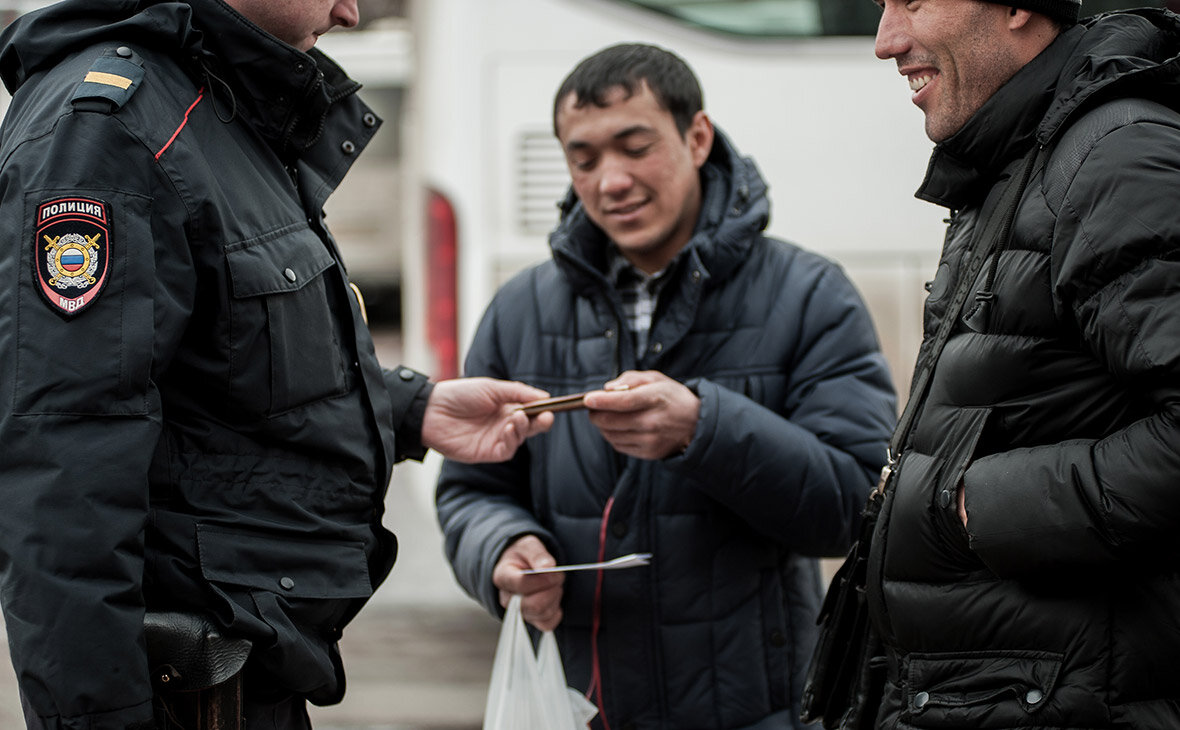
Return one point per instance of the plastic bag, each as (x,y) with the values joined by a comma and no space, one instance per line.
(528,691)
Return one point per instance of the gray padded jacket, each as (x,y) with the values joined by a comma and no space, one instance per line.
(796,407)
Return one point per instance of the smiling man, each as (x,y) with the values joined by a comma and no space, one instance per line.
(1024,570)
(194,419)
(745,410)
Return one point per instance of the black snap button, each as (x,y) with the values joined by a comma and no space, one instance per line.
(347,147)
(300,67)
(921,699)
(287,583)
(370,119)
(405,374)
(619,529)
(777,638)
(944,498)
(123,52)
(291,276)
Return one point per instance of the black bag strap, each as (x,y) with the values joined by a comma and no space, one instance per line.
(992,236)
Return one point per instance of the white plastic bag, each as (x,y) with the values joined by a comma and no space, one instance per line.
(528,691)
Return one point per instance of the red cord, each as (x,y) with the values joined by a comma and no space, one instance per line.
(595,687)
(200,95)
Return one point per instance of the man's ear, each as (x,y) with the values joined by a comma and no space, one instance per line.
(1018,18)
(699,136)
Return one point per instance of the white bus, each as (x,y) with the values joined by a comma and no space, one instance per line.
(794,83)
(830,126)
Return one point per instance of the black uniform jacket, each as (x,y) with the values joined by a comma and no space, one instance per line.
(192,413)
(1057,405)
(796,409)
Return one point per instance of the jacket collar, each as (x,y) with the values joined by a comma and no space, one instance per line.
(282,92)
(964,166)
(1118,54)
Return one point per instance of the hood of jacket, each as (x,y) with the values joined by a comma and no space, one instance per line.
(734,211)
(1125,54)
(281,91)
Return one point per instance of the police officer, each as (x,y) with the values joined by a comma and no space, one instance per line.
(193,415)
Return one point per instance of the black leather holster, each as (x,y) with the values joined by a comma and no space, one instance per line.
(196,672)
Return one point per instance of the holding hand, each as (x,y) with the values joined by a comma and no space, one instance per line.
(475,419)
(540,603)
(645,414)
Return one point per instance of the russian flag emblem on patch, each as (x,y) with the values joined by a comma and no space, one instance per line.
(72,251)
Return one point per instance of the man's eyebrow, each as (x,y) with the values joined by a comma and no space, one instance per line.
(574,144)
(633,130)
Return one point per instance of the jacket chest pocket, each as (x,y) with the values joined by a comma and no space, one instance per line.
(285,343)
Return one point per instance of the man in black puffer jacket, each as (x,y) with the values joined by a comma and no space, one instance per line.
(1024,572)
(754,419)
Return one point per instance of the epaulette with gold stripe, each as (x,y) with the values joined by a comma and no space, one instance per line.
(113,77)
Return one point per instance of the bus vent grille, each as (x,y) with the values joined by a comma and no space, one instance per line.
(543,180)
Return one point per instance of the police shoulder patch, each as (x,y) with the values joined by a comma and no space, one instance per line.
(113,77)
(72,252)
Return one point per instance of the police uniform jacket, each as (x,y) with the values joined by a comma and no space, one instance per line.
(1056,403)
(192,413)
(796,407)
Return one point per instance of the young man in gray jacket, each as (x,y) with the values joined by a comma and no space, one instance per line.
(737,418)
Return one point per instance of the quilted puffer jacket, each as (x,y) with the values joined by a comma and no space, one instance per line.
(796,407)
(1056,405)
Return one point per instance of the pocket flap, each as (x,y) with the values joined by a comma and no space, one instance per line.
(958,446)
(289,566)
(972,678)
(281,261)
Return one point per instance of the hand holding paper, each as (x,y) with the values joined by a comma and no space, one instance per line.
(541,594)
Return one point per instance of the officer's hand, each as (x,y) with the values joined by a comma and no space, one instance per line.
(540,602)
(645,414)
(474,419)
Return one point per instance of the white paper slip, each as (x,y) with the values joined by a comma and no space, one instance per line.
(633,560)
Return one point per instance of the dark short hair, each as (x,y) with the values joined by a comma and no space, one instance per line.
(631,65)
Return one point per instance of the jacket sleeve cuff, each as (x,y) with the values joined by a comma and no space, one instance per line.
(409,391)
